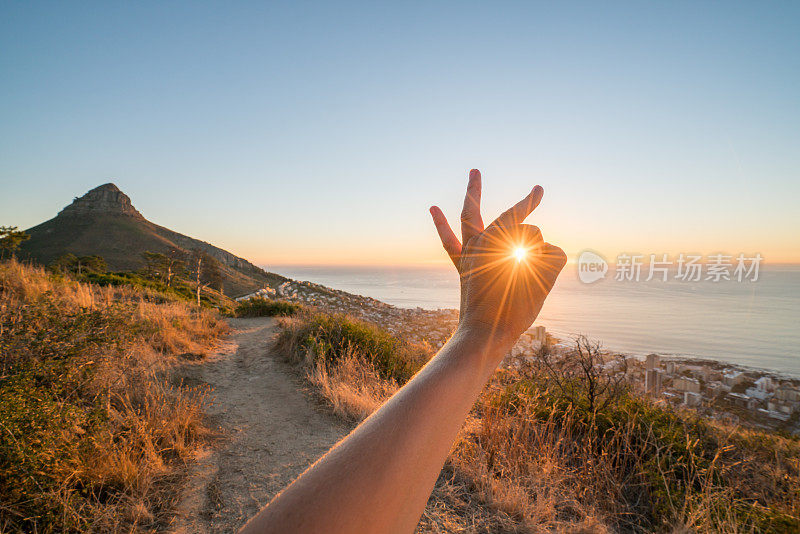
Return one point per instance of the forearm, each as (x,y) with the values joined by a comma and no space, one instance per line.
(379,477)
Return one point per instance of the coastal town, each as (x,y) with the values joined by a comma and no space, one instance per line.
(722,391)
(717,390)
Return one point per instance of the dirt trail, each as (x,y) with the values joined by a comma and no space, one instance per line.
(272,430)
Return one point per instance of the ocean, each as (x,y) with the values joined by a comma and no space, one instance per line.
(754,324)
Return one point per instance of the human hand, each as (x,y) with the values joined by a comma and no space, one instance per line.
(506,269)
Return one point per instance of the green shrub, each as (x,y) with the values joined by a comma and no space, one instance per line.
(330,336)
(180,290)
(261,307)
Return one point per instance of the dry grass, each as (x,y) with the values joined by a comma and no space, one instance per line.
(94,432)
(353,388)
(530,459)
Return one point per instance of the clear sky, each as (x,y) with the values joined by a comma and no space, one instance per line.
(306,132)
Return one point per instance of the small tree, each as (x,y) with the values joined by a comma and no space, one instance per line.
(174,265)
(92,264)
(583,376)
(165,267)
(206,272)
(69,263)
(152,263)
(10,240)
(66,263)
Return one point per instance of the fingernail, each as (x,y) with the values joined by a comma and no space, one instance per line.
(537,190)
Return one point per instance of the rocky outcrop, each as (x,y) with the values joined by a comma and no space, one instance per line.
(104,199)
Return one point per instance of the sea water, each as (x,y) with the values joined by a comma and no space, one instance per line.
(756,324)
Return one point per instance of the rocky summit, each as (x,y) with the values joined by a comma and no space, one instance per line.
(106,198)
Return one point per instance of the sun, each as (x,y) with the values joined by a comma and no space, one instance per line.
(520,253)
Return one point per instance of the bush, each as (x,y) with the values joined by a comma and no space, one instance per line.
(329,337)
(261,307)
(180,290)
(637,464)
(563,444)
(93,433)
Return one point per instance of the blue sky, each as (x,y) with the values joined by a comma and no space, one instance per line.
(319,133)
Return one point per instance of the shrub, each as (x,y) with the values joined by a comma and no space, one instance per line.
(93,433)
(559,445)
(329,337)
(261,307)
(179,290)
(636,464)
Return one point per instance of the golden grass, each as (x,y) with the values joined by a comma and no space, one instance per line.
(95,433)
(529,460)
(353,389)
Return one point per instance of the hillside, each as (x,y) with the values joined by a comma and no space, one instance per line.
(96,426)
(104,222)
(561,443)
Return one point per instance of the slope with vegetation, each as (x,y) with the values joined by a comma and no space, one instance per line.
(563,445)
(194,278)
(94,432)
(104,222)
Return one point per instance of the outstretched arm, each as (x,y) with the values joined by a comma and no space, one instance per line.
(379,477)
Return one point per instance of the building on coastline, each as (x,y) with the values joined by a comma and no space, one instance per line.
(780,406)
(264,292)
(691,385)
(739,399)
(717,388)
(653,380)
(692,399)
(697,371)
(787,393)
(614,366)
(528,343)
(539,334)
(757,393)
(765,384)
(652,375)
(733,378)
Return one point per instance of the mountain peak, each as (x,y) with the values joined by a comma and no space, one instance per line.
(107,187)
(103,199)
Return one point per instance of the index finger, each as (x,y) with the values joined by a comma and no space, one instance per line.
(517,213)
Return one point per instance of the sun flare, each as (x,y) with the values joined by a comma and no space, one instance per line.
(520,253)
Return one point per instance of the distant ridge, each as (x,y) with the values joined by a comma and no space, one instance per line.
(104,222)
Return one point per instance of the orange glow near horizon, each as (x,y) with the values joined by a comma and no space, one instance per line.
(428,253)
